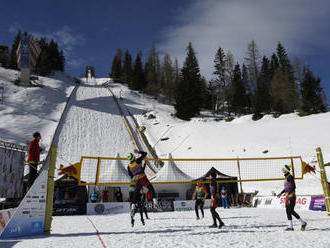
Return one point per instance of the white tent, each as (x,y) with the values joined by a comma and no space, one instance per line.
(113,171)
(171,173)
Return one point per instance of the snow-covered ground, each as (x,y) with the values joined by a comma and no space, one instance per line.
(245,227)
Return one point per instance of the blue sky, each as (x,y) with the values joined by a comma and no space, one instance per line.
(89,32)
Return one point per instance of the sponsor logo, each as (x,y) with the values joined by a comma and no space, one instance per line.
(183,204)
(299,201)
(184,209)
(99,208)
(15,229)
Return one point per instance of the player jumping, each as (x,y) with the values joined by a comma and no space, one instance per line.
(136,170)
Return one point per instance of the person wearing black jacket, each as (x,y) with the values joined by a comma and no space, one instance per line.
(136,169)
(290,199)
(214,201)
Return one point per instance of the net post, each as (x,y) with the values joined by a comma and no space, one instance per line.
(50,190)
(293,172)
(98,170)
(239,176)
(324,180)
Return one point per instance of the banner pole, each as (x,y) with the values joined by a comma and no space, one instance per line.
(50,189)
(324,180)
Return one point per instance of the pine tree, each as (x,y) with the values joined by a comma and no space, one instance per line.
(167,82)
(4,56)
(218,84)
(13,57)
(291,86)
(139,82)
(152,73)
(246,84)
(274,65)
(262,102)
(238,100)
(220,67)
(50,58)
(116,67)
(311,93)
(127,71)
(188,94)
(280,93)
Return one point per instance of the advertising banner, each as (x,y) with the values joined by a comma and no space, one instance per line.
(302,202)
(317,203)
(99,208)
(5,216)
(189,205)
(167,206)
(11,173)
(29,218)
(69,209)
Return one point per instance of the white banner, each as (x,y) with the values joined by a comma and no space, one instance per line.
(11,173)
(98,208)
(302,202)
(189,205)
(29,218)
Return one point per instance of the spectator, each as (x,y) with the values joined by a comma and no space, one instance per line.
(118,195)
(105,195)
(94,196)
(33,158)
(224,197)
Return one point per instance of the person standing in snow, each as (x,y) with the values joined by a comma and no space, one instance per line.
(136,169)
(224,197)
(214,204)
(290,199)
(33,158)
(200,194)
(118,195)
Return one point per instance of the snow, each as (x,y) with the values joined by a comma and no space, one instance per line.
(27,110)
(244,227)
(92,126)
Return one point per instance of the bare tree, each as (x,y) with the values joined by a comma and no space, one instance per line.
(252,60)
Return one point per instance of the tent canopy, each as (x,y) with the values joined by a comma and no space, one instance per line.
(220,176)
(113,171)
(231,187)
(171,173)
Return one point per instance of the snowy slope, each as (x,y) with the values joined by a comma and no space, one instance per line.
(92,126)
(27,110)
